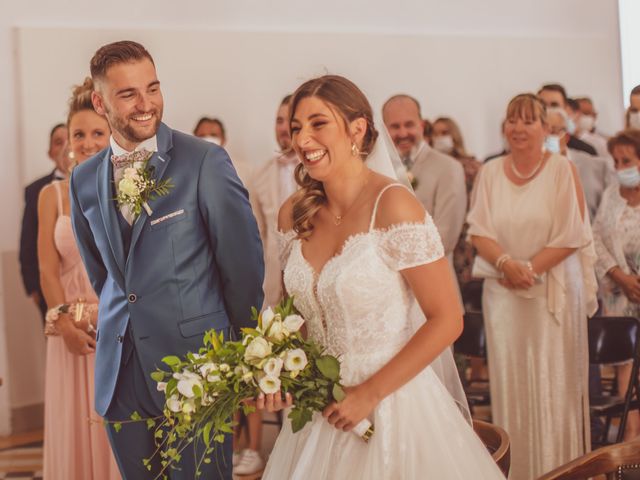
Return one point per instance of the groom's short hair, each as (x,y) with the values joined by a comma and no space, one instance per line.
(124,51)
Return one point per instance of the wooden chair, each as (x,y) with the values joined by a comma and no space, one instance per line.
(497,442)
(604,461)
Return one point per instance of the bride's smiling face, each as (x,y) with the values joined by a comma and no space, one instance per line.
(320,138)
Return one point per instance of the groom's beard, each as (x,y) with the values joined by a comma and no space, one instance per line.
(133,133)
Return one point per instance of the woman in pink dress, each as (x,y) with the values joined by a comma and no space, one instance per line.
(75,441)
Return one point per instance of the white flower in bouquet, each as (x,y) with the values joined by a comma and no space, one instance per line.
(128,186)
(295,360)
(258,349)
(293,323)
(277,331)
(208,369)
(269,384)
(267,317)
(224,368)
(187,381)
(161,386)
(174,404)
(273,367)
(189,406)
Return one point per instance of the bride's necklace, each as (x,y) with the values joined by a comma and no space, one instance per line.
(337,219)
(530,175)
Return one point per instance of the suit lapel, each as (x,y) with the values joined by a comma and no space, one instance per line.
(108,211)
(158,162)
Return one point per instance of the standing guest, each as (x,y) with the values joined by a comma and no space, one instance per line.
(190,264)
(271,186)
(447,138)
(528,219)
(439,178)
(553,95)
(586,126)
(29,232)
(74,446)
(616,232)
(596,173)
(212,130)
(633,113)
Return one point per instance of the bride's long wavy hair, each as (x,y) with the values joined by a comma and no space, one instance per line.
(347,100)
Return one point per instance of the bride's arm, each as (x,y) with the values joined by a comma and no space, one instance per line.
(434,288)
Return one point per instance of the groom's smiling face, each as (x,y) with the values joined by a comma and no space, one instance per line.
(129,96)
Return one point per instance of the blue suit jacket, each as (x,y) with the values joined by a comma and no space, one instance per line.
(195,264)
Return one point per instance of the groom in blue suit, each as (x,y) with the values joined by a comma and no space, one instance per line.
(190,262)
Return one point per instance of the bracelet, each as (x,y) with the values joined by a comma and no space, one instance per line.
(502,259)
(52,316)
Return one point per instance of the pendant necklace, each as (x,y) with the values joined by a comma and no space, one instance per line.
(337,219)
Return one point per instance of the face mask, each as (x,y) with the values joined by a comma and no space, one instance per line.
(212,139)
(586,123)
(634,120)
(629,177)
(552,143)
(443,143)
(571,126)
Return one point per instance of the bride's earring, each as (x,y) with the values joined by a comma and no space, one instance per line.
(355,151)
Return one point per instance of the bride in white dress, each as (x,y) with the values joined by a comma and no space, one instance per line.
(360,257)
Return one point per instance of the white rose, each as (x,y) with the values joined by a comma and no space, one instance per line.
(131,173)
(257,350)
(207,369)
(267,318)
(224,368)
(174,404)
(277,331)
(269,384)
(293,323)
(128,187)
(186,386)
(162,386)
(295,360)
(273,367)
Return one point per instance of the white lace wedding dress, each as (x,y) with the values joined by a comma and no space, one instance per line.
(359,307)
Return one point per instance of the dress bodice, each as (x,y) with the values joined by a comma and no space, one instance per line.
(73,275)
(359,306)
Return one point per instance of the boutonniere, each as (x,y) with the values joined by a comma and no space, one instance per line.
(412,180)
(138,185)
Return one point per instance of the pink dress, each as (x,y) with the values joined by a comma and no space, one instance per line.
(75,441)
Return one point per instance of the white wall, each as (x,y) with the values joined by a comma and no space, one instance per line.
(502,46)
(630,43)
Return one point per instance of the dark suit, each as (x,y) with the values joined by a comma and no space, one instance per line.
(193,265)
(29,239)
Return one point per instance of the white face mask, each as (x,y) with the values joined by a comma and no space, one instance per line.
(586,123)
(634,120)
(212,139)
(443,143)
(629,177)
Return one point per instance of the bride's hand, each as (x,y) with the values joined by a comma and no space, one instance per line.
(273,402)
(356,406)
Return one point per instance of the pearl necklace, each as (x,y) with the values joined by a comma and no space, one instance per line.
(526,177)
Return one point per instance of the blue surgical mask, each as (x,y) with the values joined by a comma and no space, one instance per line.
(629,177)
(571,126)
(552,143)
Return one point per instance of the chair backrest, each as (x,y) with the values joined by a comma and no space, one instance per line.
(603,461)
(613,339)
(472,341)
(497,442)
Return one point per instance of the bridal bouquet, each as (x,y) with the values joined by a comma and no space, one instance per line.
(203,390)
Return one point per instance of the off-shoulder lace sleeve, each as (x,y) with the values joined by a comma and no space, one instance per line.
(285,241)
(408,245)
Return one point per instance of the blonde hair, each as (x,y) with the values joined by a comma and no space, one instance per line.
(456,135)
(348,101)
(527,107)
(80,98)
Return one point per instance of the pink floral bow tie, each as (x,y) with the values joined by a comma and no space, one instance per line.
(128,159)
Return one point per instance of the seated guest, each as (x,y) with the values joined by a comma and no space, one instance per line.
(586,126)
(616,232)
(29,231)
(212,130)
(554,95)
(596,173)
